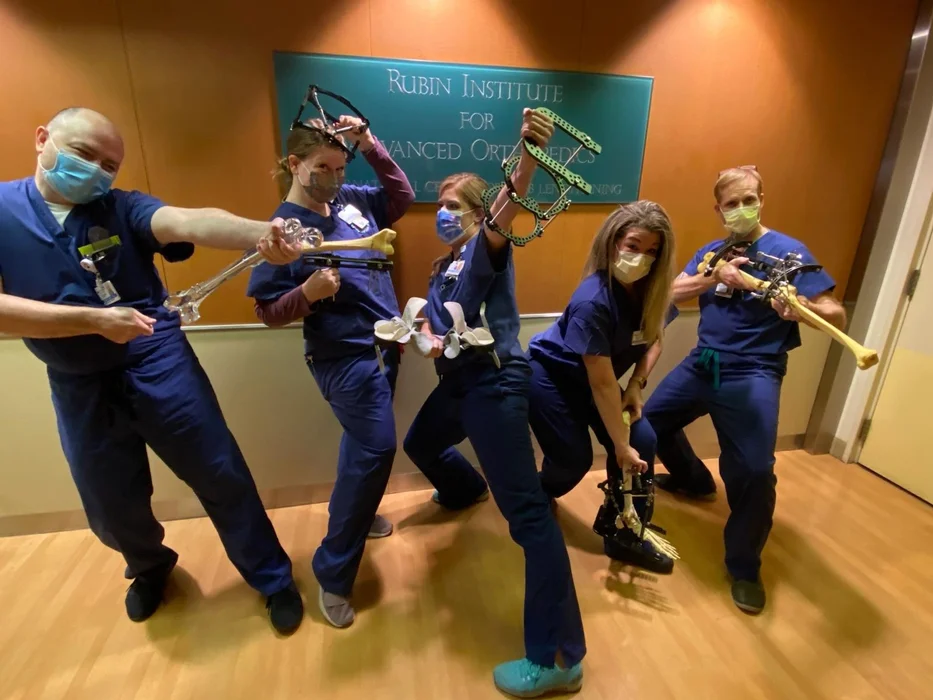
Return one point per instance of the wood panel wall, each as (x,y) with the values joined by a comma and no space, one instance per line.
(804,89)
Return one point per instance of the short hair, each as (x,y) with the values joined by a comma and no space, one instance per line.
(730,176)
(64,115)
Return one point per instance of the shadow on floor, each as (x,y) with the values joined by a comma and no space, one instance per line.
(635,587)
(195,628)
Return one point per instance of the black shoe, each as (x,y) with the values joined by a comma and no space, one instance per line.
(286,610)
(625,546)
(145,594)
(749,596)
(705,491)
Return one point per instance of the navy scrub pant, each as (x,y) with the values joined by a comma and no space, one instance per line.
(360,396)
(165,400)
(490,407)
(562,412)
(744,411)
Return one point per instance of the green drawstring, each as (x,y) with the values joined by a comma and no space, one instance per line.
(708,361)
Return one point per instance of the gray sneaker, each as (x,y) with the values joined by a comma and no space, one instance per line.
(336,609)
(380,528)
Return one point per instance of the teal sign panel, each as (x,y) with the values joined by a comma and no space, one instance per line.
(437,119)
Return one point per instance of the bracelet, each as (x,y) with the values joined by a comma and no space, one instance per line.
(641,381)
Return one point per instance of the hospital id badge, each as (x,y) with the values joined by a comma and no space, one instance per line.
(107,292)
(455,268)
(354,217)
(638,338)
(724,291)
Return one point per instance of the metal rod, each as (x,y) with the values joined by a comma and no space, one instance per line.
(562,194)
(573,155)
(568,188)
(504,162)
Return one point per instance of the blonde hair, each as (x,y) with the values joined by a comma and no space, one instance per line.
(301,143)
(469,186)
(730,176)
(651,217)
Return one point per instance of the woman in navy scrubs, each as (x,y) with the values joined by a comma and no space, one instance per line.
(338,311)
(483,396)
(614,320)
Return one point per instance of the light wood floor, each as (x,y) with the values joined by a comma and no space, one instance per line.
(849,569)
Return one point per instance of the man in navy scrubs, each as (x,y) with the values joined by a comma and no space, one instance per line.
(734,375)
(78,284)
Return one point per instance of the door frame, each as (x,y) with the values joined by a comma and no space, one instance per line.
(898,316)
(883,314)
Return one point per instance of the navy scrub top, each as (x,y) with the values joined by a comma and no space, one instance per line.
(344,326)
(601,319)
(734,322)
(39,260)
(479,276)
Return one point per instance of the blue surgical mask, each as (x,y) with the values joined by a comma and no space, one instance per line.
(76,179)
(449,225)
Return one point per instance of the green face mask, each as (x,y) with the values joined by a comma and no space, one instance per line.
(742,220)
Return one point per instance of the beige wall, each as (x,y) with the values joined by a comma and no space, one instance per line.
(286,430)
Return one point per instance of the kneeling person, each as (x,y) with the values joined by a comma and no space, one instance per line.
(614,320)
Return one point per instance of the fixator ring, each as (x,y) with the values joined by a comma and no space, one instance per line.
(563,177)
(331,131)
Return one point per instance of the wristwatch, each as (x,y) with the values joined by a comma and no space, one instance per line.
(641,381)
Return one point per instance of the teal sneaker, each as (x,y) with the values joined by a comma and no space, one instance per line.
(525,679)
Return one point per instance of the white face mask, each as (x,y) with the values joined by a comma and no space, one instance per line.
(630,267)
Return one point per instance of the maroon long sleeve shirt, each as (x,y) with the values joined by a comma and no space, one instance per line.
(293,306)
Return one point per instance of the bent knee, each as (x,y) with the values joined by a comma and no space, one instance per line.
(529,515)
(381,448)
(643,437)
(385,451)
(760,479)
(414,446)
(572,458)
(374,437)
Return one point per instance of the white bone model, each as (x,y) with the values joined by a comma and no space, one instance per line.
(402,330)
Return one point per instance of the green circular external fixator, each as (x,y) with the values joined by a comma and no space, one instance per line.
(530,203)
(541,215)
(557,170)
(581,137)
(563,177)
